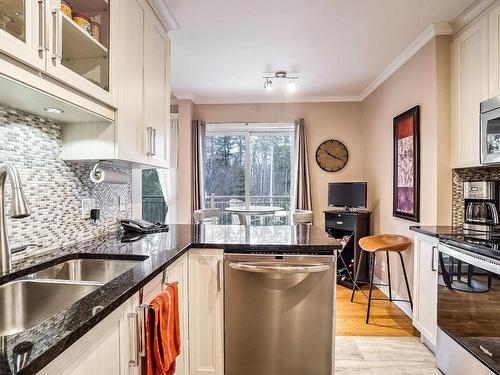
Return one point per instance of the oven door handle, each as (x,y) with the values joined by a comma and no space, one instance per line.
(266,267)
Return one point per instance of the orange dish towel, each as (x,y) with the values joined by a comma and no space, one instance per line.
(163,335)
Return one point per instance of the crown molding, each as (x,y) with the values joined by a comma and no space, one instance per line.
(184,96)
(164,14)
(470,13)
(433,30)
(277,100)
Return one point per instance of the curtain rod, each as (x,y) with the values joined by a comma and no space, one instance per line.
(248,122)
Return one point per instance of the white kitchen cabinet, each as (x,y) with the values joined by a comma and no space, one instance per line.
(75,57)
(103,350)
(425,273)
(157,115)
(178,272)
(36,33)
(144,106)
(494,51)
(23,32)
(206,307)
(131,103)
(469,85)
(140,134)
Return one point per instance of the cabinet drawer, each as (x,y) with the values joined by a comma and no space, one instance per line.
(341,221)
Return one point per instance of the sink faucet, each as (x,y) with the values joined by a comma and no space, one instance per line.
(18,210)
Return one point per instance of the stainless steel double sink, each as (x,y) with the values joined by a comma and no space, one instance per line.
(30,300)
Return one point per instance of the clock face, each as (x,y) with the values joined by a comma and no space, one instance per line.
(332,156)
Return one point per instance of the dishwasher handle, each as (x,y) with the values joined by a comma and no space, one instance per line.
(266,267)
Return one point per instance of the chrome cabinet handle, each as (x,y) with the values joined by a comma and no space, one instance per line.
(219,275)
(133,338)
(142,329)
(283,269)
(57,37)
(149,134)
(165,277)
(41,25)
(153,141)
(433,256)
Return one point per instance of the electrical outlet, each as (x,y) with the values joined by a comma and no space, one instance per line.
(382,265)
(87,205)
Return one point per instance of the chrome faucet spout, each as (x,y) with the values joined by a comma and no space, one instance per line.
(18,209)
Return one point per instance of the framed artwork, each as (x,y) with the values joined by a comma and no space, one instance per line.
(406,175)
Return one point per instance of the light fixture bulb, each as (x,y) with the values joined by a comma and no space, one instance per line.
(53,110)
(268,85)
(292,85)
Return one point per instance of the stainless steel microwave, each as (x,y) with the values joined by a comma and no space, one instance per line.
(490,131)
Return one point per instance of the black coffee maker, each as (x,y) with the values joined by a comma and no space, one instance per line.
(481,206)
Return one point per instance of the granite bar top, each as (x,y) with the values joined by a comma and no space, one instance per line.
(53,336)
(437,231)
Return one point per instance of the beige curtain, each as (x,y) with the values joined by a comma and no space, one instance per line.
(302,181)
(198,145)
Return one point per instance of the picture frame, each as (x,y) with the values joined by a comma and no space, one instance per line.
(406,167)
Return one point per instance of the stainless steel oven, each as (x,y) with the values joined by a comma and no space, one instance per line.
(468,340)
(490,131)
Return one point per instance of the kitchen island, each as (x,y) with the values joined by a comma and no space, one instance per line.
(153,254)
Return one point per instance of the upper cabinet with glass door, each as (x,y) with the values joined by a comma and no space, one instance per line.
(22,31)
(70,41)
(81,42)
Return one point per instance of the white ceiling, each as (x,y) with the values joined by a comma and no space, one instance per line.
(338,47)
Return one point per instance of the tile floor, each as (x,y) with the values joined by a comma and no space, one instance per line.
(359,355)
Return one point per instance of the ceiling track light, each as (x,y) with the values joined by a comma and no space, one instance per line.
(280,75)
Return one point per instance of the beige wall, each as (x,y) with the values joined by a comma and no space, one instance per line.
(366,129)
(423,80)
(323,121)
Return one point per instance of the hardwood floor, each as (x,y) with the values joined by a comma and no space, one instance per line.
(386,319)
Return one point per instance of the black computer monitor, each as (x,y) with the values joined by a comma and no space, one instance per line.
(347,194)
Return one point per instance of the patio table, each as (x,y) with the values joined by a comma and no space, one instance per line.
(244,211)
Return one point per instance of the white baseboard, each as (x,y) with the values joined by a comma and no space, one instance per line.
(404,306)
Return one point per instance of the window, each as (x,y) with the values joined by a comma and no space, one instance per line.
(153,202)
(248,164)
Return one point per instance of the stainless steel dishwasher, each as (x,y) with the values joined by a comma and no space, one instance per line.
(279,312)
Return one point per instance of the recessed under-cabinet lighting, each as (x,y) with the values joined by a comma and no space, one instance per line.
(53,110)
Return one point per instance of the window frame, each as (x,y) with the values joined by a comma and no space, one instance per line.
(249,130)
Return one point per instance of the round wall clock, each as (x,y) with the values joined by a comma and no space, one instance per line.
(332,155)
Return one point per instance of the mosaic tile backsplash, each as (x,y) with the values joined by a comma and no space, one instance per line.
(54,188)
(468,174)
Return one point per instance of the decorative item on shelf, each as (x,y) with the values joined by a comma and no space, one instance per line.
(95,30)
(67,8)
(83,21)
(332,155)
(406,173)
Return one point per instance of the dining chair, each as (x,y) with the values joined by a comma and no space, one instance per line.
(207,216)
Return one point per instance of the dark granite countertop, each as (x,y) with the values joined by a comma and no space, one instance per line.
(437,231)
(53,336)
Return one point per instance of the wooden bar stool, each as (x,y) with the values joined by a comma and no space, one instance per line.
(388,243)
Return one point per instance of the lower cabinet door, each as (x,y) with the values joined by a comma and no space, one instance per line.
(101,351)
(206,306)
(425,288)
(178,272)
